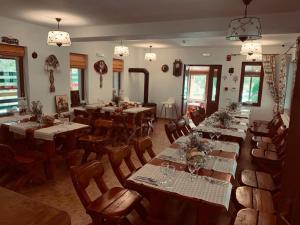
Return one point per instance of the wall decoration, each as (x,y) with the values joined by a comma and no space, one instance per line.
(101,68)
(228,58)
(233,89)
(51,65)
(165,68)
(224,77)
(177,68)
(61,103)
(34,55)
(231,70)
(9,40)
(225,88)
(235,78)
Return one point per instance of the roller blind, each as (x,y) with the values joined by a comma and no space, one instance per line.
(12,50)
(118,65)
(78,61)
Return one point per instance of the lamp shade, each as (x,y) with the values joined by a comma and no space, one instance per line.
(257,57)
(242,29)
(121,50)
(251,48)
(59,38)
(150,56)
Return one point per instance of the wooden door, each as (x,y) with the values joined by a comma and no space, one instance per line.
(213,91)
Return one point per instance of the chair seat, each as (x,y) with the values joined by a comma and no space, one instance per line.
(92,138)
(115,203)
(253,217)
(258,179)
(264,154)
(262,139)
(254,198)
(266,146)
(260,131)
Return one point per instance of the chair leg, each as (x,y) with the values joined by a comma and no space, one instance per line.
(165,112)
(139,208)
(85,156)
(162,107)
(176,110)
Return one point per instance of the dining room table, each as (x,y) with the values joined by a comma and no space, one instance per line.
(18,209)
(46,135)
(209,189)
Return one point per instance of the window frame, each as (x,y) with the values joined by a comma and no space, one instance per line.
(244,64)
(82,83)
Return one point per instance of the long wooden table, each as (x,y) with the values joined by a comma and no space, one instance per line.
(17,209)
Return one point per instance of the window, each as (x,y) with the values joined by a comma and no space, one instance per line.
(198,87)
(77,67)
(251,83)
(9,84)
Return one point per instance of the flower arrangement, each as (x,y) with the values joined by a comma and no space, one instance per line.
(224,118)
(36,109)
(233,106)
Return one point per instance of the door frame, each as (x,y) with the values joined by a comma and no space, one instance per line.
(209,84)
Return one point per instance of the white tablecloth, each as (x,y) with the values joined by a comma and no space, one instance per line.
(202,187)
(136,110)
(21,128)
(225,146)
(50,132)
(13,118)
(213,162)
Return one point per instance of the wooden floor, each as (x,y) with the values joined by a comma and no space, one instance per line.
(60,193)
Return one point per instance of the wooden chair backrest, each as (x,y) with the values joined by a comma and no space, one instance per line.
(103,127)
(181,127)
(187,123)
(281,133)
(7,156)
(81,113)
(82,176)
(171,131)
(82,120)
(197,116)
(143,146)
(276,124)
(117,157)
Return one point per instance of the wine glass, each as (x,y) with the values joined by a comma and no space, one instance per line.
(183,147)
(211,134)
(218,135)
(192,168)
(170,176)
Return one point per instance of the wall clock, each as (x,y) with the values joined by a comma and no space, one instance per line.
(177,68)
(165,68)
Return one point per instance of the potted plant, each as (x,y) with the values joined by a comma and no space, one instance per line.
(37,110)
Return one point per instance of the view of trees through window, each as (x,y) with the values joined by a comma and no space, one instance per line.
(198,87)
(251,84)
(75,79)
(8,84)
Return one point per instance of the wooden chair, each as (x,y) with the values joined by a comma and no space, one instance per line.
(142,146)
(120,156)
(269,143)
(254,198)
(20,167)
(187,123)
(254,217)
(113,205)
(270,130)
(171,131)
(82,120)
(182,128)
(198,116)
(261,180)
(98,140)
(81,113)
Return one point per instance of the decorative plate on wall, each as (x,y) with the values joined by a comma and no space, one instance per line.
(165,68)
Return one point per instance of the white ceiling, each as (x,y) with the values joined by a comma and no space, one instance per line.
(107,12)
(267,40)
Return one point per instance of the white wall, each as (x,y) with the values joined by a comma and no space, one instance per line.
(164,85)
(34,38)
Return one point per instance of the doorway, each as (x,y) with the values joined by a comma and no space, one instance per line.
(201,88)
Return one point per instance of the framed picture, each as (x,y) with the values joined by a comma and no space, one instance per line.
(61,103)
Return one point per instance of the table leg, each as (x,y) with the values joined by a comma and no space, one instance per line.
(49,148)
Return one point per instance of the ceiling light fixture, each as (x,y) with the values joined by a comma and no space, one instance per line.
(121,50)
(251,48)
(150,56)
(246,28)
(57,37)
(257,57)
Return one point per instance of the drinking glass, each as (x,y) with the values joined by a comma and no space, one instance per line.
(218,135)
(170,176)
(164,170)
(183,147)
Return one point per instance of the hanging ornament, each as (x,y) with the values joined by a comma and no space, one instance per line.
(101,68)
